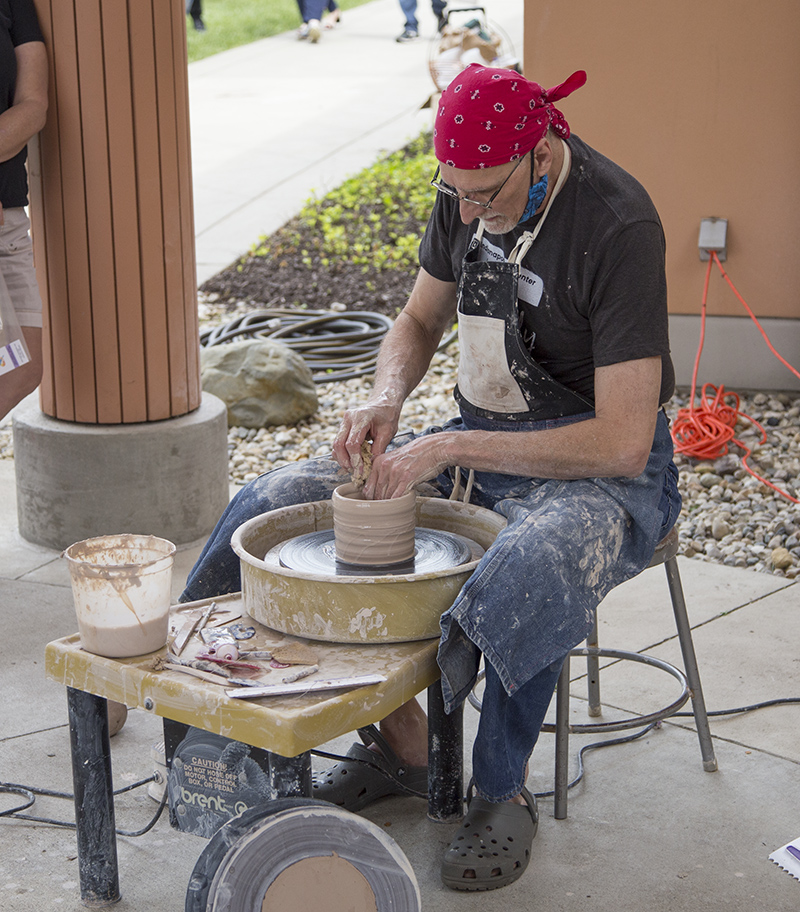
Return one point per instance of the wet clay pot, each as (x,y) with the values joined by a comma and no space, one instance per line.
(373,533)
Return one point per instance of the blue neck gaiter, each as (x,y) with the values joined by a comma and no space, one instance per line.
(536,196)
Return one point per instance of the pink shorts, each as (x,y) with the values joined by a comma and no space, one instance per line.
(16,266)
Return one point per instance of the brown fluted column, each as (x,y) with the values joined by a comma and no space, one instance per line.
(125,440)
(111,205)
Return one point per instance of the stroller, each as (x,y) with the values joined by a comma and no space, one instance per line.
(468,37)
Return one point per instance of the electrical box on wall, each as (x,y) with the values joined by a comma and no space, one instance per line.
(713,237)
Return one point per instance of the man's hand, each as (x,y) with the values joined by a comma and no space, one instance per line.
(376,421)
(402,362)
(397,472)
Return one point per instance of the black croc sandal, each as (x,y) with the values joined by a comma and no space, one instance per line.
(365,775)
(493,846)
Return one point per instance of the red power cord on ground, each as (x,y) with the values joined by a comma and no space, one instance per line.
(704,431)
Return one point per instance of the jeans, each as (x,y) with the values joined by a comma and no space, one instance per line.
(313,9)
(409,8)
(508,731)
(530,599)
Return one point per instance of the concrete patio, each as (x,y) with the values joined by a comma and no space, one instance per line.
(648,829)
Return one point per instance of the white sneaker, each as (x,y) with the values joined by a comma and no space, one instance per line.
(302,32)
(314,31)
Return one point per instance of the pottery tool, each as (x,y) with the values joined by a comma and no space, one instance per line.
(256,654)
(299,675)
(295,654)
(189,627)
(788,858)
(303,687)
(209,676)
(241,632)
(230,663)
(226,652)
(224,619)
(361,475)
(206,615)
(249,682)
(214,637)
(215,672)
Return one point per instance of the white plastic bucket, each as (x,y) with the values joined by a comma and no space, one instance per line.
(121,586)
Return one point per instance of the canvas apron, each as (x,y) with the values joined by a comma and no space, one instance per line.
(498,377)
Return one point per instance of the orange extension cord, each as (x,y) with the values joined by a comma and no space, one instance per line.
(704,431)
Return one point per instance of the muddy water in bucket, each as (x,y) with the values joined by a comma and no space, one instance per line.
(373,533)
(121,587)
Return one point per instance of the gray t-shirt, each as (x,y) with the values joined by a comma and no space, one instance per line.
(593,288)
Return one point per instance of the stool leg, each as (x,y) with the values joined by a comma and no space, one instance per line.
(593,671)
(562,743)
(690,664)
(445,758)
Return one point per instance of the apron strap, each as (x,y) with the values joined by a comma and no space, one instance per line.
(456,494)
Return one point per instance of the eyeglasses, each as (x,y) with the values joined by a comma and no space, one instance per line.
(442,187)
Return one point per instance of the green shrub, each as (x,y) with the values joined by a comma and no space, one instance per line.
(374,219)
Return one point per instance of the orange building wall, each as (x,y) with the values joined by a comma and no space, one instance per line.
(698,99)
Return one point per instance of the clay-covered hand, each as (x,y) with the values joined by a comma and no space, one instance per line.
(375,421)
(397,472)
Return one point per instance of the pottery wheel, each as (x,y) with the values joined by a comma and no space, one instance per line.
(434,551)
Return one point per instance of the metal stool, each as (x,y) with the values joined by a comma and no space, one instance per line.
(665,553)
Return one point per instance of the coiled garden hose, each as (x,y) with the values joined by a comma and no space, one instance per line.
(335,346)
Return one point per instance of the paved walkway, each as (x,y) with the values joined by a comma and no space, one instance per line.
(281,118)
(649,830)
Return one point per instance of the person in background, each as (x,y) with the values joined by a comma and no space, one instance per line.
(333,16)
(194,8)
(23,108)
(411,29)
(311,13)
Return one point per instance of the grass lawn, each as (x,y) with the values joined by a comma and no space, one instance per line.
(231,23)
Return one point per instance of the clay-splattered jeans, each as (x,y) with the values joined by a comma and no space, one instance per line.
(531,597)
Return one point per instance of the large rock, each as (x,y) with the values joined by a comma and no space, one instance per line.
(261,381)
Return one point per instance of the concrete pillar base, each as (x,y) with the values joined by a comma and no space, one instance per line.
(75,481)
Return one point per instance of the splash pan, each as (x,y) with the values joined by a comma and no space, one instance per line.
(353,608)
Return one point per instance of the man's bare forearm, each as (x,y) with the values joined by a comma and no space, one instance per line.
(403,360)
(26,116)
(615,443)
(407,351)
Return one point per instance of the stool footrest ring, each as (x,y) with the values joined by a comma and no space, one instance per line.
(639,720)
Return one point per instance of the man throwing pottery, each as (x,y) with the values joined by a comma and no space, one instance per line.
(551,257)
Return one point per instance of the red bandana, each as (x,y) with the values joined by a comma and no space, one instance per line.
(489,116)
